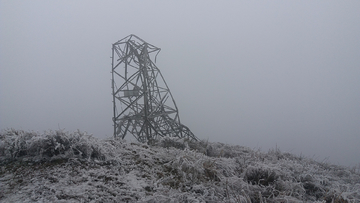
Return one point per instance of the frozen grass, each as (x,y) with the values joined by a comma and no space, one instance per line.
(76,167)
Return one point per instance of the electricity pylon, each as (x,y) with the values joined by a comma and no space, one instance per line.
(142,102)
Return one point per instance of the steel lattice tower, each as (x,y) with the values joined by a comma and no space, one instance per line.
(142,102)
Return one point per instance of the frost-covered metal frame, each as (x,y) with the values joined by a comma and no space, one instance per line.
(142,102)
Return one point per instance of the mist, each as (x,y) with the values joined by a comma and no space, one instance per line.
(264,74)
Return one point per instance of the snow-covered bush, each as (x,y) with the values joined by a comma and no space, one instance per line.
(168,142)
(260,176)
(31,146)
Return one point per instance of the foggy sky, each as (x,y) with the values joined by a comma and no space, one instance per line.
(261,74)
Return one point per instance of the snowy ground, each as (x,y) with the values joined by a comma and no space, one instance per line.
(75,167)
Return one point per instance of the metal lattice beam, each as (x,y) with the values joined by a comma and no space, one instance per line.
(142,102)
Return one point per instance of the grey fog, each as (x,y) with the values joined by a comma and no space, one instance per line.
(261,74)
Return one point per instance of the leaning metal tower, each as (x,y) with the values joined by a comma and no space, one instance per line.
(142,102)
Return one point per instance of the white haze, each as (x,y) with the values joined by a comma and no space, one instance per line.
(261,74)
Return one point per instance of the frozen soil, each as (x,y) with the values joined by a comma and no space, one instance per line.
(57,166)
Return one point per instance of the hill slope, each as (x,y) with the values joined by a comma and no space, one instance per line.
(64,167)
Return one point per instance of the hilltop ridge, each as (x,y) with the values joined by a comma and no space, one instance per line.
(58,166)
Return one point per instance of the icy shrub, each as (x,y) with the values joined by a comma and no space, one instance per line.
(213,151)
(167,143)
(188,168)
(199,146)
(335,199)
(313,190)
(260,176)
(210,170)
(13,143)
(312,186)
(31,146)
(222,150)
